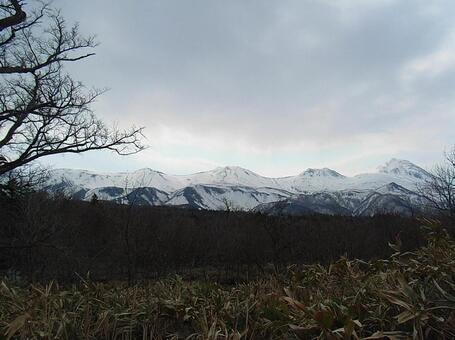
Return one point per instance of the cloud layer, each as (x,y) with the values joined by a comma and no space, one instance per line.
(344,83)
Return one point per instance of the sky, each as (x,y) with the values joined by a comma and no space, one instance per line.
(272,86)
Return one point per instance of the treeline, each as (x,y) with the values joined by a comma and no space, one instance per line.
(45,238)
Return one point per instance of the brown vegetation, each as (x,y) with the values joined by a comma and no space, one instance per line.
(409,295)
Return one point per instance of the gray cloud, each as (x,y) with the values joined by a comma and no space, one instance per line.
(274,74)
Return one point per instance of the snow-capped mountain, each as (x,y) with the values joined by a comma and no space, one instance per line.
(388,199)
(139,178)
(403,168)
(232,187)
(217,197)
(321,173)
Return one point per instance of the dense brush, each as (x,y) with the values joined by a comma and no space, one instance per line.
(410,295)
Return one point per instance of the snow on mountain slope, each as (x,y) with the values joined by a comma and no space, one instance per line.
(216,197)
(403,168)
(315,203)
(144,196)
(105,193)
(127,180)
(384,204)
(313,180)
(240,188)
(322,173)
(342,202)
(390,198)
(374,181)
(327,181)
(231,175)
(150,178)
(136,196)
(401,172)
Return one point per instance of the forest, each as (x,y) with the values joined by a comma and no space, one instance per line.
(46,238)
(99,270)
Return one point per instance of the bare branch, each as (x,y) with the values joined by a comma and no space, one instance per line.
(17,18)
(43,110)
(439,190)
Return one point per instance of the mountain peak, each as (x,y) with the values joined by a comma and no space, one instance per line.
(231,168)
(395,163)
(402,167)
(324,172)
(234,170)
(147,170)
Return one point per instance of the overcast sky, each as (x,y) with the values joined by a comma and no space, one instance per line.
(273,86)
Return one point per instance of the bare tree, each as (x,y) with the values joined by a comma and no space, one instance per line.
(132,195)
(439,189)
(43,110)
(23,180)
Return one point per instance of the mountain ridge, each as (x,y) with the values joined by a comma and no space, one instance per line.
(395,166)
(236,187)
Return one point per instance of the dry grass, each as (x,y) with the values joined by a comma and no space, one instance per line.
(409,295)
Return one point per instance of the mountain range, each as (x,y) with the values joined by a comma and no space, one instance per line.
(392,189)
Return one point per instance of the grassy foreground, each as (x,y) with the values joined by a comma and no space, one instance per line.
(409,295)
